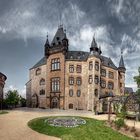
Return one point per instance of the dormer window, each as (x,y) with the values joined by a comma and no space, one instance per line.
(38,71)
(71,57)
(57,38)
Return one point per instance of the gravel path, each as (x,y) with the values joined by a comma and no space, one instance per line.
(13,126)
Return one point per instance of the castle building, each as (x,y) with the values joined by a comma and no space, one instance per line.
(79,80)
(2,83)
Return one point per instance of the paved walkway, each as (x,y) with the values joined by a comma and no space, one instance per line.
(13,126)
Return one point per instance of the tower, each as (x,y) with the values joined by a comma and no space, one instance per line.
(46,47)
(121,74)
(55,68)
(94,49)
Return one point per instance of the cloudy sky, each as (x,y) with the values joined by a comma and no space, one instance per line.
(25,24)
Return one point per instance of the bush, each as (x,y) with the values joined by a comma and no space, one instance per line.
(133,129)
(119,123)
(137,133)
(126,127)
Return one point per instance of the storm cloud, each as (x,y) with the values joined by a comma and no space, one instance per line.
(25,24)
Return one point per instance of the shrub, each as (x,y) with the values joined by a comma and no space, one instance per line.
(137,133)
(119,123)
(133,129)
(126,127)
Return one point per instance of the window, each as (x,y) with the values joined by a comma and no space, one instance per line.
(120,84)
(79,68)
(38,71)
(78,93)
(103,83)
(111,75)
(42,92)
(96,66)
(90,79)
(96,92)
(55,84)
(96,79)
(71,80)
(78,81)
(90,65)
(103,72)
(42,82)
(110,85)
(71,92)
(71,68)
(55,64)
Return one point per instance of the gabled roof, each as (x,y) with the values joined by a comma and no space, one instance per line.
(40,63)
(128,90)
(77,56)
(107,62)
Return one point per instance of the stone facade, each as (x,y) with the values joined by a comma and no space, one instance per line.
(2,83)
(74,79)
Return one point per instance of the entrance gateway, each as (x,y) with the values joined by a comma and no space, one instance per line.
(54,102)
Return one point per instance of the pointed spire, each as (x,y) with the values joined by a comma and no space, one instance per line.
(121,63)
(94,47)
(93,43)
(47,44)
(59,36)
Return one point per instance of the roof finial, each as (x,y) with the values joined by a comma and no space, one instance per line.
(47,35)
(60,21)
(121,51)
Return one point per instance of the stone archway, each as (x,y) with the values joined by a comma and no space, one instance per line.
(35,100)
(54,102)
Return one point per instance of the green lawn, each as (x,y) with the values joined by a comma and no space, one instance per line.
(3,112)
(92,130)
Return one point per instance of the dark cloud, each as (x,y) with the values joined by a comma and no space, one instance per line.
(24,25)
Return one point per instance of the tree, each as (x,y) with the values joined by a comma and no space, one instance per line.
(12,98)
(22,101)
(137,80)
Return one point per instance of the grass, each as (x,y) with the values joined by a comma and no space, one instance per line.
(92,130)
(3,112)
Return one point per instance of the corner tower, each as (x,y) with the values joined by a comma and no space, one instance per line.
(121,74)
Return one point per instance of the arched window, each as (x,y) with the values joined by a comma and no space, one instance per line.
(96,92)
(42,82)
(110,85)
(71,92)
(38,71)
(42,92)
(78,93)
